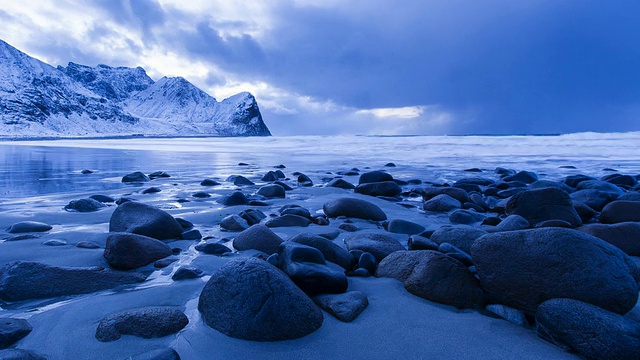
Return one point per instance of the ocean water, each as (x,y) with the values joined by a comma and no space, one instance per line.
(37,168)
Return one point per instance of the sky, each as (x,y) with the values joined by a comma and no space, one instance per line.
(324,67)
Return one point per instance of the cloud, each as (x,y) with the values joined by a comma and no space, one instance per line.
(434,66)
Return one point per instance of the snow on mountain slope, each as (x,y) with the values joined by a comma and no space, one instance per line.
(38,100)
(112,83)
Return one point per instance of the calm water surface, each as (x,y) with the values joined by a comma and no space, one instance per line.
(37,168)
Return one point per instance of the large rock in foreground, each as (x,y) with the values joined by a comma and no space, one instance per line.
(258,237)
(355,208)
(523,269)
(251,299)
(593,332)
(380,245)
(544,204)
(126,251)
(142,219)
(22,280)
(148,322)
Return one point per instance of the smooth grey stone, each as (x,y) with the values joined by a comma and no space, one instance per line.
(344,307)
(147,322)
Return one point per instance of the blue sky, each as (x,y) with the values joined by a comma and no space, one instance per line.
(367,66)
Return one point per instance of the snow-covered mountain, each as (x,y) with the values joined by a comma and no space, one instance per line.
(38,100)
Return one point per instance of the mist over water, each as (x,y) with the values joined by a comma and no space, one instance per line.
(38,168)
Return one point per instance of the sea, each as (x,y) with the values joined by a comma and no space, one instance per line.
(46,167)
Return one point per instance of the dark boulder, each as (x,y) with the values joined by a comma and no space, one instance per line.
(344,307)
(526,177)
(456,193)
(379,245)
(620,211)
(28,226)
(23,280)
(252,216)
(288,221)
(513,223)
(239,180)
(212,248)
(84,205)
(270,176)
(441,203)
(304,180)
(201,195)
(250,299)
(620,180)
(574,180)
(151,190)
(445,280)
(523,269)
(544,204)
(307,268)
(384,188)
(585,212)
(548,183)
(135,177)
(625,236)
(417,242)
(593,332)
(102,198)
(600,185)
(209,182)
(374,176)
(272,191)
(257,237)
(142,219)
(125,251)
(341,183)
(352,207)
(234,223)
(399,226)
(462,237)
(465,217)
(187,272)
(630,196)
(234,199)
(159,174)
(330,250)
(595,199)
(12,330)
(147,322)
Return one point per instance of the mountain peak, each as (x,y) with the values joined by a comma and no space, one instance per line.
(37,99)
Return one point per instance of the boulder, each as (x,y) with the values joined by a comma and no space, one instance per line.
(84,205)
(272,191)
(584,211)
(234,223)
(630,196)
(330,250)
(135,177)
(574,180)
(234,199)
(252,216)
(625,236)
(102,198)
(513,223)
(142,219)
(367,262)
(344,307)
(379,245)
(151,190)
(239,180)
(456,193)
(399,264)
(12,330)
(125,251)
(307,268)
(600,185)
(523,269)
(374,176)
(620,211)
(548,183)
(20,354)
(257,237)
(209,182)
(355,208)
(526,177)
(543,204)
(287,221)
(212,248)
(465,217)
(28,226)
(384,188)
(441,203)
(250,299)
(417,242)
(270,176)
(159,174)
(595,199)
(187,272)
(156,354)
(147,322)
(440,278)
(399,226)
(460,236)
(592,332)
(341,183)
(23,280)
(620,179)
